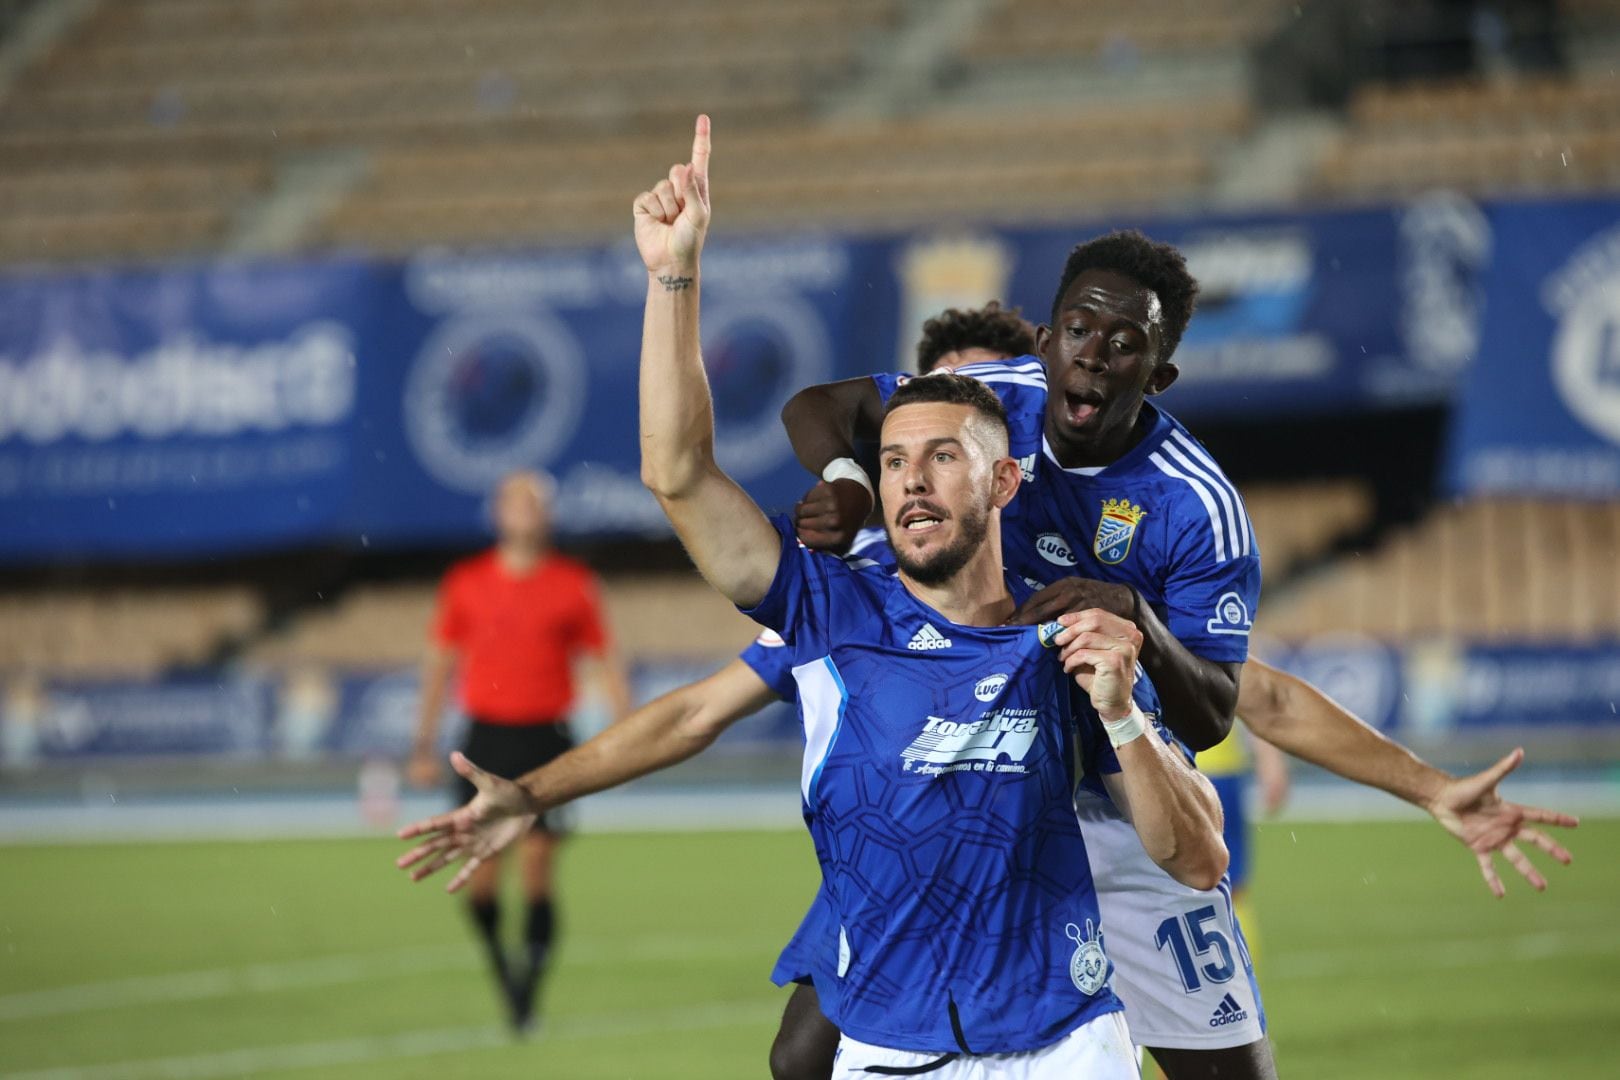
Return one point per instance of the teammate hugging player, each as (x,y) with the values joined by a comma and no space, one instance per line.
(681,723)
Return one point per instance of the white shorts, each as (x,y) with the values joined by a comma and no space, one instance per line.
(1099,1049)
(1181,965)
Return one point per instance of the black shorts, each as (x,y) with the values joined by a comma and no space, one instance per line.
(510,750)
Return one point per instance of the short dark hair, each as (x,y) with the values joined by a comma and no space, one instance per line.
(947,388)
(1155,266)
(991,327)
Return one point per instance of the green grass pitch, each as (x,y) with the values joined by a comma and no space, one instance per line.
(1380,954)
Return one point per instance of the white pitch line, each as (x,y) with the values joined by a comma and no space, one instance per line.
(336,970)
(413,1044)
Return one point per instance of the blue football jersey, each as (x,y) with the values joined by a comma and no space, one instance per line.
(1163,519)
(938,778)
(772,661)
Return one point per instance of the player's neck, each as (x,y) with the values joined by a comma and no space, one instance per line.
(520,556)
(975,596)
(1105,450)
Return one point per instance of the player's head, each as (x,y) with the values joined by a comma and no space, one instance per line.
(1120,310)
(943,470)
(521,507)
(961,336)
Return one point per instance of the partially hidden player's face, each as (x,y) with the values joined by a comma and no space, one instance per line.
(973,354)
(942,468)
(521,513)
(1101,355)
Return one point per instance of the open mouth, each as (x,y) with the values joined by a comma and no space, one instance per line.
(920,519)
(1082,406)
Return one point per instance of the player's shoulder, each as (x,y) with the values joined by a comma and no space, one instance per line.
(570,569)
(1028,371)
(471,568)
(1194,490)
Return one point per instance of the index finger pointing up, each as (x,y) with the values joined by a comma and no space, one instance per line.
(700,147)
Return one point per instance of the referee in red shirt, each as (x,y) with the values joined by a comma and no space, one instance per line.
(514,619)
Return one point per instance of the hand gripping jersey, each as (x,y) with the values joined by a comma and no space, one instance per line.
(1163,518)
(939,770)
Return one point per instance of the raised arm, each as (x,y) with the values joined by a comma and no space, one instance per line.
(1295,716)
(728,536)
(1173,808)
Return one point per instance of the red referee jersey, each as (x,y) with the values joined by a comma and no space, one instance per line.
(518,634)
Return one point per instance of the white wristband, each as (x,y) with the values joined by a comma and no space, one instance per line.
(1125,729)
(848,469)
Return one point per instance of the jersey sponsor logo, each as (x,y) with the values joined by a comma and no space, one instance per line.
(1228,1012)
(1115,530)
(1026,465)
(1054,549)
(1231,616)
(996,742)
(1088,967)
(928,639)
(990,687)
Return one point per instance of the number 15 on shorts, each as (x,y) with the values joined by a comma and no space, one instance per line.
(1201,951)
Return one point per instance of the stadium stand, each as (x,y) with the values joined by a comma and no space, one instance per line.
(1516,135)
(388,625)
(1468,571)
(124,632)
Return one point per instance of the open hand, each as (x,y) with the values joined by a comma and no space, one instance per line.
(673,218)
(830,514)
(1470,809)
(499,814)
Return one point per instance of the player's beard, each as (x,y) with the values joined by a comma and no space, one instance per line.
(973,525)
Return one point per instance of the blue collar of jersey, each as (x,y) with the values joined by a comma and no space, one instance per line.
(1160,427)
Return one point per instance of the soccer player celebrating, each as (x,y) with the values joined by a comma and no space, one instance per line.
(515,619)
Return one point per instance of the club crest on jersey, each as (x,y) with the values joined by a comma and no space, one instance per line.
(1115,530)
(1088,967)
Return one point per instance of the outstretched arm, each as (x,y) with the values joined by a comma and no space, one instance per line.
(727,535)
(1174,809)
(661,733)
(1295,716)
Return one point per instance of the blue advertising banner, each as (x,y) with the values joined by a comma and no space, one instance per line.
(1540,411)
(232,407)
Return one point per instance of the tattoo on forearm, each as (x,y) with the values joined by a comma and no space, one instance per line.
(671,283)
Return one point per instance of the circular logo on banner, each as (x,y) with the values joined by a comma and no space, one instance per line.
(492,393)
(759,351)
(1586,357)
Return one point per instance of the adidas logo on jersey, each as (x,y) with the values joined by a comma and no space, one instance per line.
(1228,1012)
(1026,466)
(927,640)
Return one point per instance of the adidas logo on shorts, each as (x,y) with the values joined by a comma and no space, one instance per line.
(1228,1012)
(927,640)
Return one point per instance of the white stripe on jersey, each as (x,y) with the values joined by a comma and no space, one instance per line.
(1201,455)
(866,538)
(821,704)
(1008,380)
(1233,532)
(1027,367)
(1215,522)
